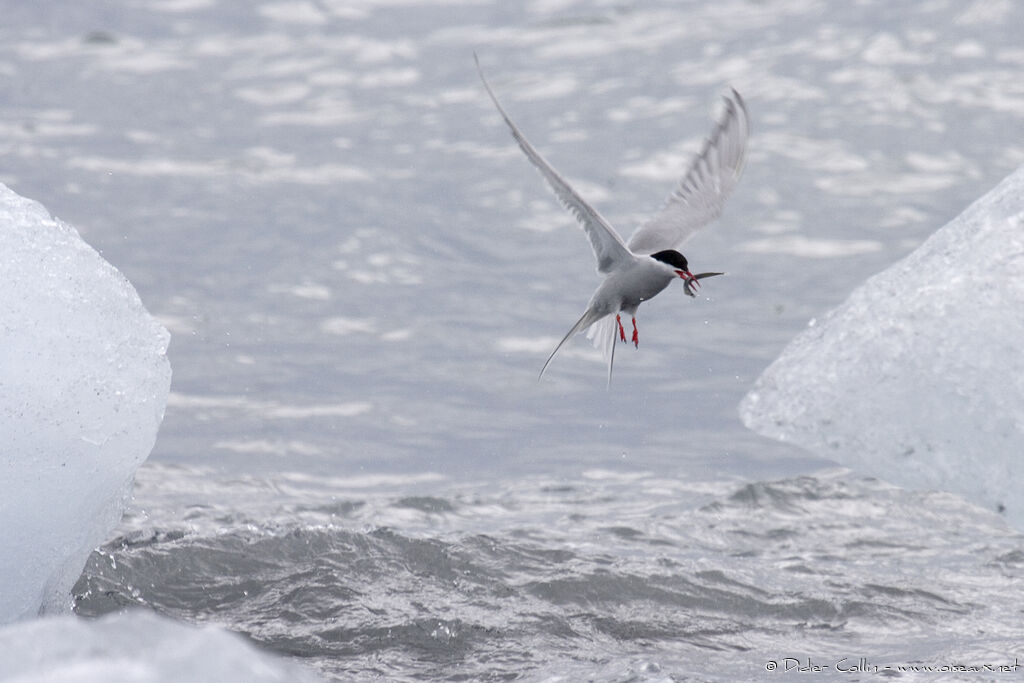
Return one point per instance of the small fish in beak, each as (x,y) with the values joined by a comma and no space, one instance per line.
(694,281)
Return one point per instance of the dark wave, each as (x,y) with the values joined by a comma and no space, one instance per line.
(761,563)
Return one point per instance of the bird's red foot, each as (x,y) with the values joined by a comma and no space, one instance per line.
(636,335)
(622,332)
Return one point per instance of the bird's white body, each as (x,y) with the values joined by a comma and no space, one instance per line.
(629,285)
(640,270)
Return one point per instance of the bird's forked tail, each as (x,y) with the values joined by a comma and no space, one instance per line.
(602,332)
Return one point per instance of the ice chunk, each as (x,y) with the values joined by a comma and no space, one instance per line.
(918,378)
(134,646)
(83,384)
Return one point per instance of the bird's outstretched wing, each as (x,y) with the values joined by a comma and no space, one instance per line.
(701,194)
(608,246)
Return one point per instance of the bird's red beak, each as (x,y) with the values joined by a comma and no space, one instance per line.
(688,276)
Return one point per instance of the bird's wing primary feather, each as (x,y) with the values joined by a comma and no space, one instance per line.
(609,248)
(700,195)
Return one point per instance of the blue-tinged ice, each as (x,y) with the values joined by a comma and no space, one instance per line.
(83,384)
(918,378)
(137,647)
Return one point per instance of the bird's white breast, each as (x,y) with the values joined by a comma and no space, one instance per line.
(626,288)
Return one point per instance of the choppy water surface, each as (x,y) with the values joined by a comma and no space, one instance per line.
(612,577)
(362,277)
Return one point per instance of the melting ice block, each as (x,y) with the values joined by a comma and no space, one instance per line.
(918,378)
(135,647)
(83,385)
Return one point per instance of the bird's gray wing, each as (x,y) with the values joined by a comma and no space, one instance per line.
(701,194)
(609,248)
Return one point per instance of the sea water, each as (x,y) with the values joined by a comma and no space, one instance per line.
(357,468)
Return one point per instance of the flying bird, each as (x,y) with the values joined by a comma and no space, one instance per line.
(637,270)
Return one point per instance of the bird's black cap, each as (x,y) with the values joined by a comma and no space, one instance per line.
(672,258)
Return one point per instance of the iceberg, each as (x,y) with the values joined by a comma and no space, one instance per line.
(84,379)
(135,646)
(918,377)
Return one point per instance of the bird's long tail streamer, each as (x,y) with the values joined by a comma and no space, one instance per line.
(602,332)
(584,320)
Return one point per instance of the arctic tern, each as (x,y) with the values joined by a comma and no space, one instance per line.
(638,270)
